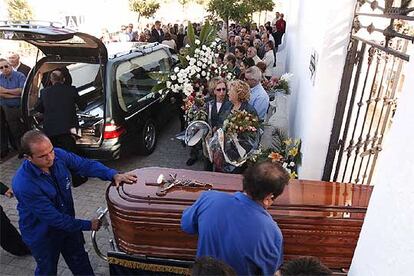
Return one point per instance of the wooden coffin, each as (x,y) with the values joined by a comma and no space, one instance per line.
(321,219)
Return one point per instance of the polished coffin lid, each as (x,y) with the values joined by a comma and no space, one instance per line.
(317,218)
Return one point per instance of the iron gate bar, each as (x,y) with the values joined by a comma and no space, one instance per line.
(360,58)
(371,3)
(374,145)
(376,99)
(388,16)
(385,49)
(334,145)
(387,32)
(357,147)
(388,108)
(369,101)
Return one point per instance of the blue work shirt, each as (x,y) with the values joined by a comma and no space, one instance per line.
(237,230)
(259,99)
(45,202)
(15,80)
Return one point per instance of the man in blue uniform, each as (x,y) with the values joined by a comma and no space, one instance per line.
(237,229)
(42,186)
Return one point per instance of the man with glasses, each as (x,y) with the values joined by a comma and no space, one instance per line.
(42,186)
(236,228)
(11,87)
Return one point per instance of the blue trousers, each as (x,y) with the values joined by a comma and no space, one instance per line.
(71,246)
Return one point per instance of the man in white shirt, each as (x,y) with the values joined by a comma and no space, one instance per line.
(14,61)
(269,59)
(252,53)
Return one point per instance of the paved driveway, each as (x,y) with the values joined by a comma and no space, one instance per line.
(89,197)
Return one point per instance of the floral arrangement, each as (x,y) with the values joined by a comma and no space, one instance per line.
(287,152)
(194,108)
(275,83)
(240,122)
(196,65)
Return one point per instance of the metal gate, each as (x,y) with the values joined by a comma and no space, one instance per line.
(371,82)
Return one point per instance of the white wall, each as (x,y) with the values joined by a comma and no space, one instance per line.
(321,26)
(386,243)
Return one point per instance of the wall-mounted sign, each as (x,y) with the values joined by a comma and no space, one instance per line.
(312,66)
(73,22)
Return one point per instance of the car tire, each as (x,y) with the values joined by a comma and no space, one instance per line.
(147,139)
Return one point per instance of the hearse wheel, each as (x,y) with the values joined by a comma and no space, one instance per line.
(148,138)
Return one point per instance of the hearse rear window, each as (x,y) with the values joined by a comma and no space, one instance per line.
(133,84)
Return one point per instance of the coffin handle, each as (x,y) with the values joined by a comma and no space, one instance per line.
(102,212)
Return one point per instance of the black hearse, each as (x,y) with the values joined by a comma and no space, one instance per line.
(115,84)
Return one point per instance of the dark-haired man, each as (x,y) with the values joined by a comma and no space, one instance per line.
(157,34)
(236,228)
(58,104)
(206,266)
(42,186)
(309,266)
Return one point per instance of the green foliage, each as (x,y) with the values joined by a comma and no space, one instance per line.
(208,34)
(285,150)
(19,10)
(159,87)
(238,10)
(145,8)
(184,2)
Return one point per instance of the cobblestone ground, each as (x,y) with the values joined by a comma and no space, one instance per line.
(89,197)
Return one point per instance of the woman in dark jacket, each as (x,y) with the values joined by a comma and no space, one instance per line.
(217,108)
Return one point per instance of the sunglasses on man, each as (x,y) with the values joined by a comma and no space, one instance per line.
(5,66)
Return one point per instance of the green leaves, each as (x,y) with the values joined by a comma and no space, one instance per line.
(19,10)
(159,87)
(190,34)
(145,8)
(208,34)
(238,10)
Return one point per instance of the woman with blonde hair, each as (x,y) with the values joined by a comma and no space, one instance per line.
(239,95)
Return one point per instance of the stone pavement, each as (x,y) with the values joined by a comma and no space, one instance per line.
(89,197)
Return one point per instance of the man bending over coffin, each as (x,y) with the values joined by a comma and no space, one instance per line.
(42,186)
(236,228)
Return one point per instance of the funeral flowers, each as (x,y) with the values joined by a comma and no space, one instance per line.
(240,121)
(196,65)
(281,84)
(287,153)
(194,108)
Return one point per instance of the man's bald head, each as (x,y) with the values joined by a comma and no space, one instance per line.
(13,58)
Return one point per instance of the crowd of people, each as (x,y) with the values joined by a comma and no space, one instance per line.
(42,184)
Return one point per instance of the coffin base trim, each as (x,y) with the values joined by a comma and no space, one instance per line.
(149,267)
